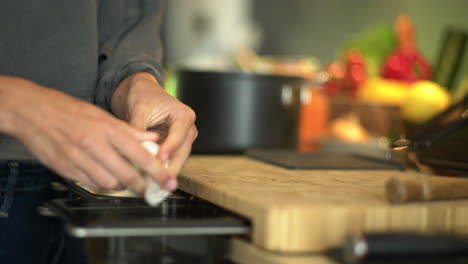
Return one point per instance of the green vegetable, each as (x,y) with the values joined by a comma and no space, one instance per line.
(374,44)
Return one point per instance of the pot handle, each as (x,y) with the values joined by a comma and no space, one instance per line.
(287,92)
(291,93)
(287,95)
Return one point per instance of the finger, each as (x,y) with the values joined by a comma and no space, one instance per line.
(141,135)
(95,171)
(81,177)
(180,156)
(139,116)
(120,168)
(178,132)
(75,174)
(64,167)
(91,185)
(133,151)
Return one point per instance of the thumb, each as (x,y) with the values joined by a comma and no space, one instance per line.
(138,128)
(139,120)
(143,135)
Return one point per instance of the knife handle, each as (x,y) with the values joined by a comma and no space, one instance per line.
(425,188)
(403,246)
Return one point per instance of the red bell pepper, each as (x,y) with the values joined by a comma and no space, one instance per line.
(355,72)
(406,63)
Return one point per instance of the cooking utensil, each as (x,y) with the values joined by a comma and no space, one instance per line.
(238,111)
(86,190)
(404,246)
(425,188)
(439,145)
(324,160)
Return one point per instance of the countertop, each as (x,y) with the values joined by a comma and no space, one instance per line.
(294,211)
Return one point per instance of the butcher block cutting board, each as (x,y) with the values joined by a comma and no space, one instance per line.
(311,210)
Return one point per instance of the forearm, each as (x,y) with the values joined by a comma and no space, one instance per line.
(120,98)
(10,99)
(76,139)
(127,48)
(24,104)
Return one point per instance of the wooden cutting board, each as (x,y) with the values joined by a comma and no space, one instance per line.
(311,210)
(241,251)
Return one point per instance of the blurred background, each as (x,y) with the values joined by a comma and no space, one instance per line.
(371,54)
(307,27)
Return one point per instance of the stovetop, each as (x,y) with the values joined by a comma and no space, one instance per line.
(89,215)
(182,229)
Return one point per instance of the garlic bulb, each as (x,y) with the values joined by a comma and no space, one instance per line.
(154,195)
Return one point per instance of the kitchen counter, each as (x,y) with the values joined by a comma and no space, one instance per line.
(297,211)
(294,215)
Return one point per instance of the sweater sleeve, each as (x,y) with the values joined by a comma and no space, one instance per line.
(129,42)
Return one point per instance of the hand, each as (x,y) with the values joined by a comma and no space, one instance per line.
(76,139)
(140,100)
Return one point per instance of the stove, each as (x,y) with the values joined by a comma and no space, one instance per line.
(182,229)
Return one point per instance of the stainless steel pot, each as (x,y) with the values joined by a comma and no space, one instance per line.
(240,111)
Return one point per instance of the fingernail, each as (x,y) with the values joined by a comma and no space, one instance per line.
(171,185)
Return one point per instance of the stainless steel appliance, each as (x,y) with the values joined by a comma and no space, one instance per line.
(182,229)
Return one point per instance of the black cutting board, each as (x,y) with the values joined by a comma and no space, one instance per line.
(291,159)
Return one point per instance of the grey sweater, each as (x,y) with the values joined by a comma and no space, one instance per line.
(81,47)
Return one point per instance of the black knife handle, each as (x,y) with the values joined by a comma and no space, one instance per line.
(395,246)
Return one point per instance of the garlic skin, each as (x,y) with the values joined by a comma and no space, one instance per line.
(154,195)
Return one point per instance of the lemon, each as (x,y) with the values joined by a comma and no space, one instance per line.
(425,100)
(383,91)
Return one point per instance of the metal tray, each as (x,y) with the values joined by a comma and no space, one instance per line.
(93,215)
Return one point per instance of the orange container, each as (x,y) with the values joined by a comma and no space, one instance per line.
(313,119)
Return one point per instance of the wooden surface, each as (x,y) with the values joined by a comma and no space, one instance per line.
(311,210)
(241,251)
(426,188)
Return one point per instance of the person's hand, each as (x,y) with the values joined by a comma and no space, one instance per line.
(76,139)
(140,100)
